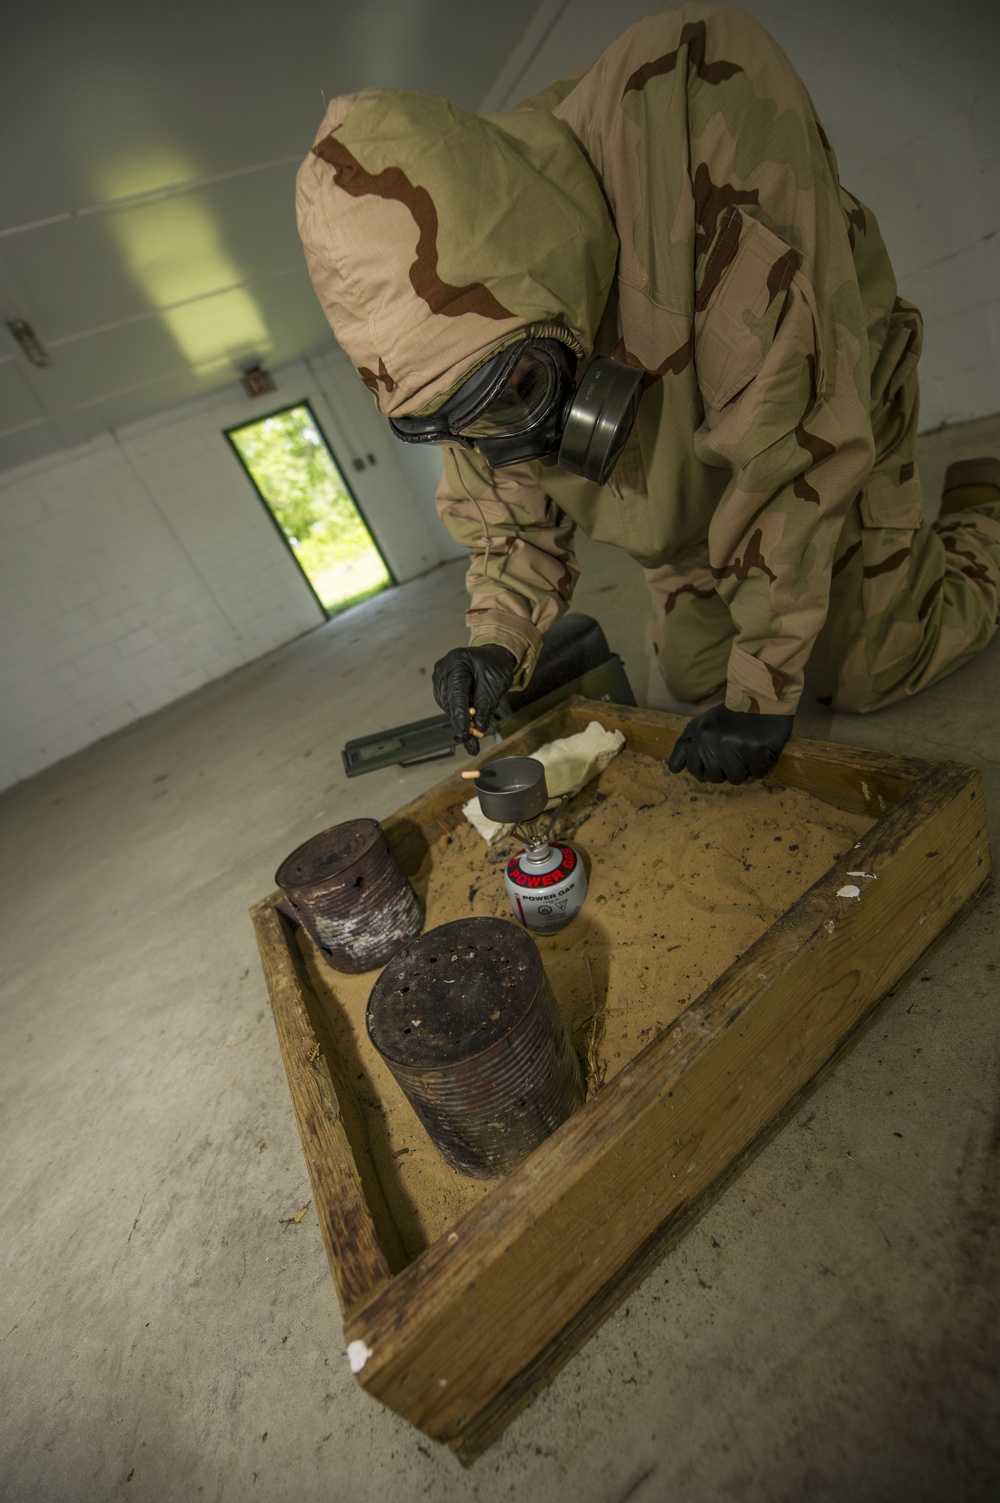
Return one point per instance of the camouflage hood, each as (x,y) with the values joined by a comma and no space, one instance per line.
(434,237)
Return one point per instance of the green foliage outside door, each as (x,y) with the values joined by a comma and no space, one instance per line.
(294,472)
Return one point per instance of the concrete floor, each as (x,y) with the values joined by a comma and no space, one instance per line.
(828,1331)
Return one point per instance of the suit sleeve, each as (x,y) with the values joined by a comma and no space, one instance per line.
(522,568)
(783,369)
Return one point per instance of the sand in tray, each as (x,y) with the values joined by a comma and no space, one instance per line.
(683,878)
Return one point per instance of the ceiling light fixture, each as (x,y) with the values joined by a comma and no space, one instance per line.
(256,381)
(29,341)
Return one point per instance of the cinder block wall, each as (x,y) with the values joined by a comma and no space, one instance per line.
(142,566)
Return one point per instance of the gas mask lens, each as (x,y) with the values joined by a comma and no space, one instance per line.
(530,389)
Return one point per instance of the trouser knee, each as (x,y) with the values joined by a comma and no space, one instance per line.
(857,698)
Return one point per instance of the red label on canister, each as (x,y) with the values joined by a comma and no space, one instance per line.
(539,881)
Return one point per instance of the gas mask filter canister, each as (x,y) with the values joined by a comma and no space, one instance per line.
(599,419)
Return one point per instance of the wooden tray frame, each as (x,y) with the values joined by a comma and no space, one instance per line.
(459,1339)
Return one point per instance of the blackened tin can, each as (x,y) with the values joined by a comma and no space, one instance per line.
(351,895)
(465,1019)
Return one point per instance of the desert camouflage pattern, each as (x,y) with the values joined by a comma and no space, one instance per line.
(418,222)
(676,206)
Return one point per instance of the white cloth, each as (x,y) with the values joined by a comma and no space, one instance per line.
(569,763)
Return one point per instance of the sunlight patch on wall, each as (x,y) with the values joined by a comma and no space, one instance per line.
(174,249)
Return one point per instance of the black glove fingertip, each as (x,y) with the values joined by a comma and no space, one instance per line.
(696,765)
(459,724)
(678,757)
(736,766)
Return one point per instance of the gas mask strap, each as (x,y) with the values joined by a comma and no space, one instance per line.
(558,332)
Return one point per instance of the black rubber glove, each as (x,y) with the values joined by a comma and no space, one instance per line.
(479,676)
(730,746)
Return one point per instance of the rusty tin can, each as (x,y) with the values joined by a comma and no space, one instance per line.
(465,1019)
(351,895)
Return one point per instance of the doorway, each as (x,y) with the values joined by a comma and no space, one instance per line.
(297,478)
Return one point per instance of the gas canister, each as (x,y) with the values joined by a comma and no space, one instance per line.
(546,885)
(546,881)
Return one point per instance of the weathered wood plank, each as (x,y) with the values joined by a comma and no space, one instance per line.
(859,781)
(345,1205)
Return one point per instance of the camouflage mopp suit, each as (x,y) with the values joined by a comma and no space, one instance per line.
(677,207)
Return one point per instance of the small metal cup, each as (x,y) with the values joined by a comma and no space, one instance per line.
(512,790)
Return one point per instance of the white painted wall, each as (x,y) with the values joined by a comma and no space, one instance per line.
(907,91)
(143,565)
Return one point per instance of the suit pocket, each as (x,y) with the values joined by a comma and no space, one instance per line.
(741,289)
(890,500)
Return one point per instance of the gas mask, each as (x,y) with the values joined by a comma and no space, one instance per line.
(525,403)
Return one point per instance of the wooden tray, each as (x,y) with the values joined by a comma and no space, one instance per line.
(458,1338)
